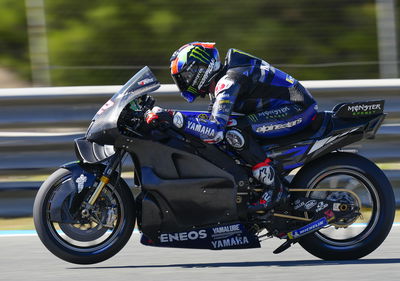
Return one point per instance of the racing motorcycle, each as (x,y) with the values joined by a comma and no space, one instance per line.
(189,194)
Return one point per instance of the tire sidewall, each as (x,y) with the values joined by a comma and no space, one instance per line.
(368,169)
(89,257)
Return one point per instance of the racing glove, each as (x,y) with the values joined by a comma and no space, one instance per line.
(158,118)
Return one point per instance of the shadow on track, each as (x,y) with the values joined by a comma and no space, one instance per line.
(254,264)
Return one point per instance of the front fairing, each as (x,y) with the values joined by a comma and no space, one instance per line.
(104,128)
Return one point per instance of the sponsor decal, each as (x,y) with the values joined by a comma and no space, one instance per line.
(200,54)
(267,128)
(106,106)
(217,237)
(183,236)
(190,66)
(310,204)
(226,231)
(229,242)
(199,74)
(206,74)
(224,108)
(228,236)
(308,228)
(298,204)
(81,182)
(200,129)
(321,206)
(253,118)
(280,112)
(267,174)
(224,96)
(336,207)
(145,81)
(178,120)
(364,107)
(202,116)
(223,84)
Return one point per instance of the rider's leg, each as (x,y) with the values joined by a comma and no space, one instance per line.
(281,121)
(242,140)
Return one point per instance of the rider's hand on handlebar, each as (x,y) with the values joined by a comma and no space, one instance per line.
(158,118)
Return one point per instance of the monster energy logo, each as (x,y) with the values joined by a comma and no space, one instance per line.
(192,90)
(201,55)
(253,117)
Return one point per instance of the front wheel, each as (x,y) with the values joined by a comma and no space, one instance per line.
(84,241)
(356,238)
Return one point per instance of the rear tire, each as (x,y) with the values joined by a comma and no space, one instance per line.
(86,250)
(382,209)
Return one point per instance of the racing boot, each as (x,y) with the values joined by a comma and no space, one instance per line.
(275,192)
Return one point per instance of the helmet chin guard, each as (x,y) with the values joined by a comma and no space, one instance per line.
(188,96)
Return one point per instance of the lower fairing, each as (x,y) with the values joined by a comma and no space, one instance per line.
(218,237)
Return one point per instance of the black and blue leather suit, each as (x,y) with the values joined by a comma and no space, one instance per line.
(275,104)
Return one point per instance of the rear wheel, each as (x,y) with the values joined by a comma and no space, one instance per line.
(357,236)
(85,241)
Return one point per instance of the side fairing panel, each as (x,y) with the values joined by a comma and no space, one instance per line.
(184,189)
(188,203)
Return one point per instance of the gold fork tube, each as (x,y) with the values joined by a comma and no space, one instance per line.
(103,182)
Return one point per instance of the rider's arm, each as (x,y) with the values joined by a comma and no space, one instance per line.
(212,130)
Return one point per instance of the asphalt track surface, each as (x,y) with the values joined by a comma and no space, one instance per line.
(25,258)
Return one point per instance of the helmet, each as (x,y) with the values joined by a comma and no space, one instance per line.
(193,66)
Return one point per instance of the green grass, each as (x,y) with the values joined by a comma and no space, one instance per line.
(17,224)
(41,178)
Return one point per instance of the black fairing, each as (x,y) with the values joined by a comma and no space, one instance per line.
(91,152)
(180,189)
(334,132)
(104,127)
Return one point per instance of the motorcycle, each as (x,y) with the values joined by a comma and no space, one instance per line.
(189,194)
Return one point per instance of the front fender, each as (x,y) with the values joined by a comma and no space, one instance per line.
(83,175)
(72,190)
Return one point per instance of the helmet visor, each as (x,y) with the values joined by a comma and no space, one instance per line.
(185,78)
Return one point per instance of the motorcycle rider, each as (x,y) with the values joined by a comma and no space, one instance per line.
(274,103)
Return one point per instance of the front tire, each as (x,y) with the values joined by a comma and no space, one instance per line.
(85,243)
(378,205)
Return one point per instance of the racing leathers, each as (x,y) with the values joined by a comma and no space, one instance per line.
(274,104)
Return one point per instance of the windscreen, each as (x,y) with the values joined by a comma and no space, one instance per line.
(103,128)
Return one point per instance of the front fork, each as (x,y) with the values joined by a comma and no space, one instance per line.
(104,180)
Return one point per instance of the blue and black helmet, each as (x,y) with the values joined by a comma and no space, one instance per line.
(193,66)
